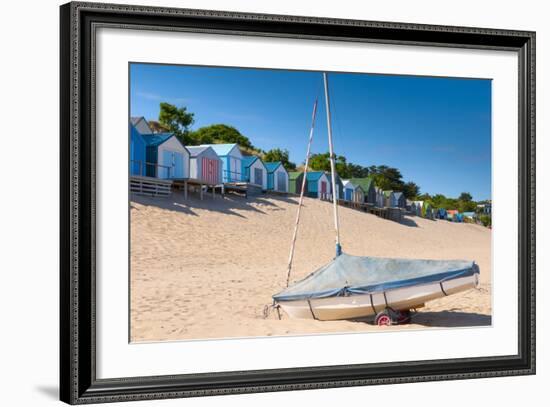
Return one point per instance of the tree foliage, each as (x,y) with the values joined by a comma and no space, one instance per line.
(277,154)
(221,133)
(177,120)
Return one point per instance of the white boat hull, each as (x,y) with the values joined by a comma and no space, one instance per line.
(364,305)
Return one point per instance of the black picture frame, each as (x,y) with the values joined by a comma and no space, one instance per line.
(78,382)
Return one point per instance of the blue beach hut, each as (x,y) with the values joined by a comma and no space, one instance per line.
(318,185)
(254,171)
(165,156)
(277,177)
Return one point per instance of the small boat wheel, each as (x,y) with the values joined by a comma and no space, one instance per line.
(383,318)
(391,317)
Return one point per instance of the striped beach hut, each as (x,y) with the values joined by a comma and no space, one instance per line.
(369,190)
(165,156)
(277,177)
(231,157)
(295,179)
(318,185)
(254,171)
(204,165)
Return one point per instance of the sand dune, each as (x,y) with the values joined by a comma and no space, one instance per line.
(207,269)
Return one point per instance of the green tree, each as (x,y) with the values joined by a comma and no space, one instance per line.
(387,178)
(177,120)
(465,196)
(222,133)
(277,154)
(321,162)
(411,190)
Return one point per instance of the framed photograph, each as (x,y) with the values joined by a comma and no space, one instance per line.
(255,203)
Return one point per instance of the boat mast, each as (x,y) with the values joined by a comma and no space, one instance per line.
(302,191)
(332,168)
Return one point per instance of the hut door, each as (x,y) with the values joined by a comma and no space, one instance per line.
(166,170)
(210,171)
(281,184)
(178,166)
(323,188)
(258,175)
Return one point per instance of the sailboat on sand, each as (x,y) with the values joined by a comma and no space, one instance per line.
(357,286)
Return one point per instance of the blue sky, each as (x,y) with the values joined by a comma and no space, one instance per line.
(437,131)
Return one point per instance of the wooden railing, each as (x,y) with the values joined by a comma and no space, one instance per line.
(144,166)
(233,176)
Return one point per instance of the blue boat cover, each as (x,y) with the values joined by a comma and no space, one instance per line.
(352,275)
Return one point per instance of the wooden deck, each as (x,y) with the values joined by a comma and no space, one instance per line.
(150,186)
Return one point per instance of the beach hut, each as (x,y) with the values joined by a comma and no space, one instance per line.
(277,177)
(380,198)
(137,151)
(231,157)
(427,211)
(418,207)
(318,185)
(141,125)
(451,214)
(349,190)
(165,156)
(339,185)
(295,179)
(369,190)
(359,195)
(204,165)
(469,215)
(389,198)
(399,200)
(254,171)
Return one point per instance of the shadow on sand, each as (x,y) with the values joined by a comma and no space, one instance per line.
(231,204)
(406,221)
(451,319)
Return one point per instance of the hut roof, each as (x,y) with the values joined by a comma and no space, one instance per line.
(197,150)
(248,160)
(314,175)
(294,174)
(387,194)
(271,167)
(452,211)
(221,149)
(145,129)
(348,183)
(365,183)
(398,195)
(156,139)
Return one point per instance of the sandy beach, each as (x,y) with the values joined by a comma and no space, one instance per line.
(206,269)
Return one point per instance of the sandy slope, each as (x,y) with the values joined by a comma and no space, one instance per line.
(206,269)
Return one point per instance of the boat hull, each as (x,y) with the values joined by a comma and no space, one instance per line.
(364,305)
